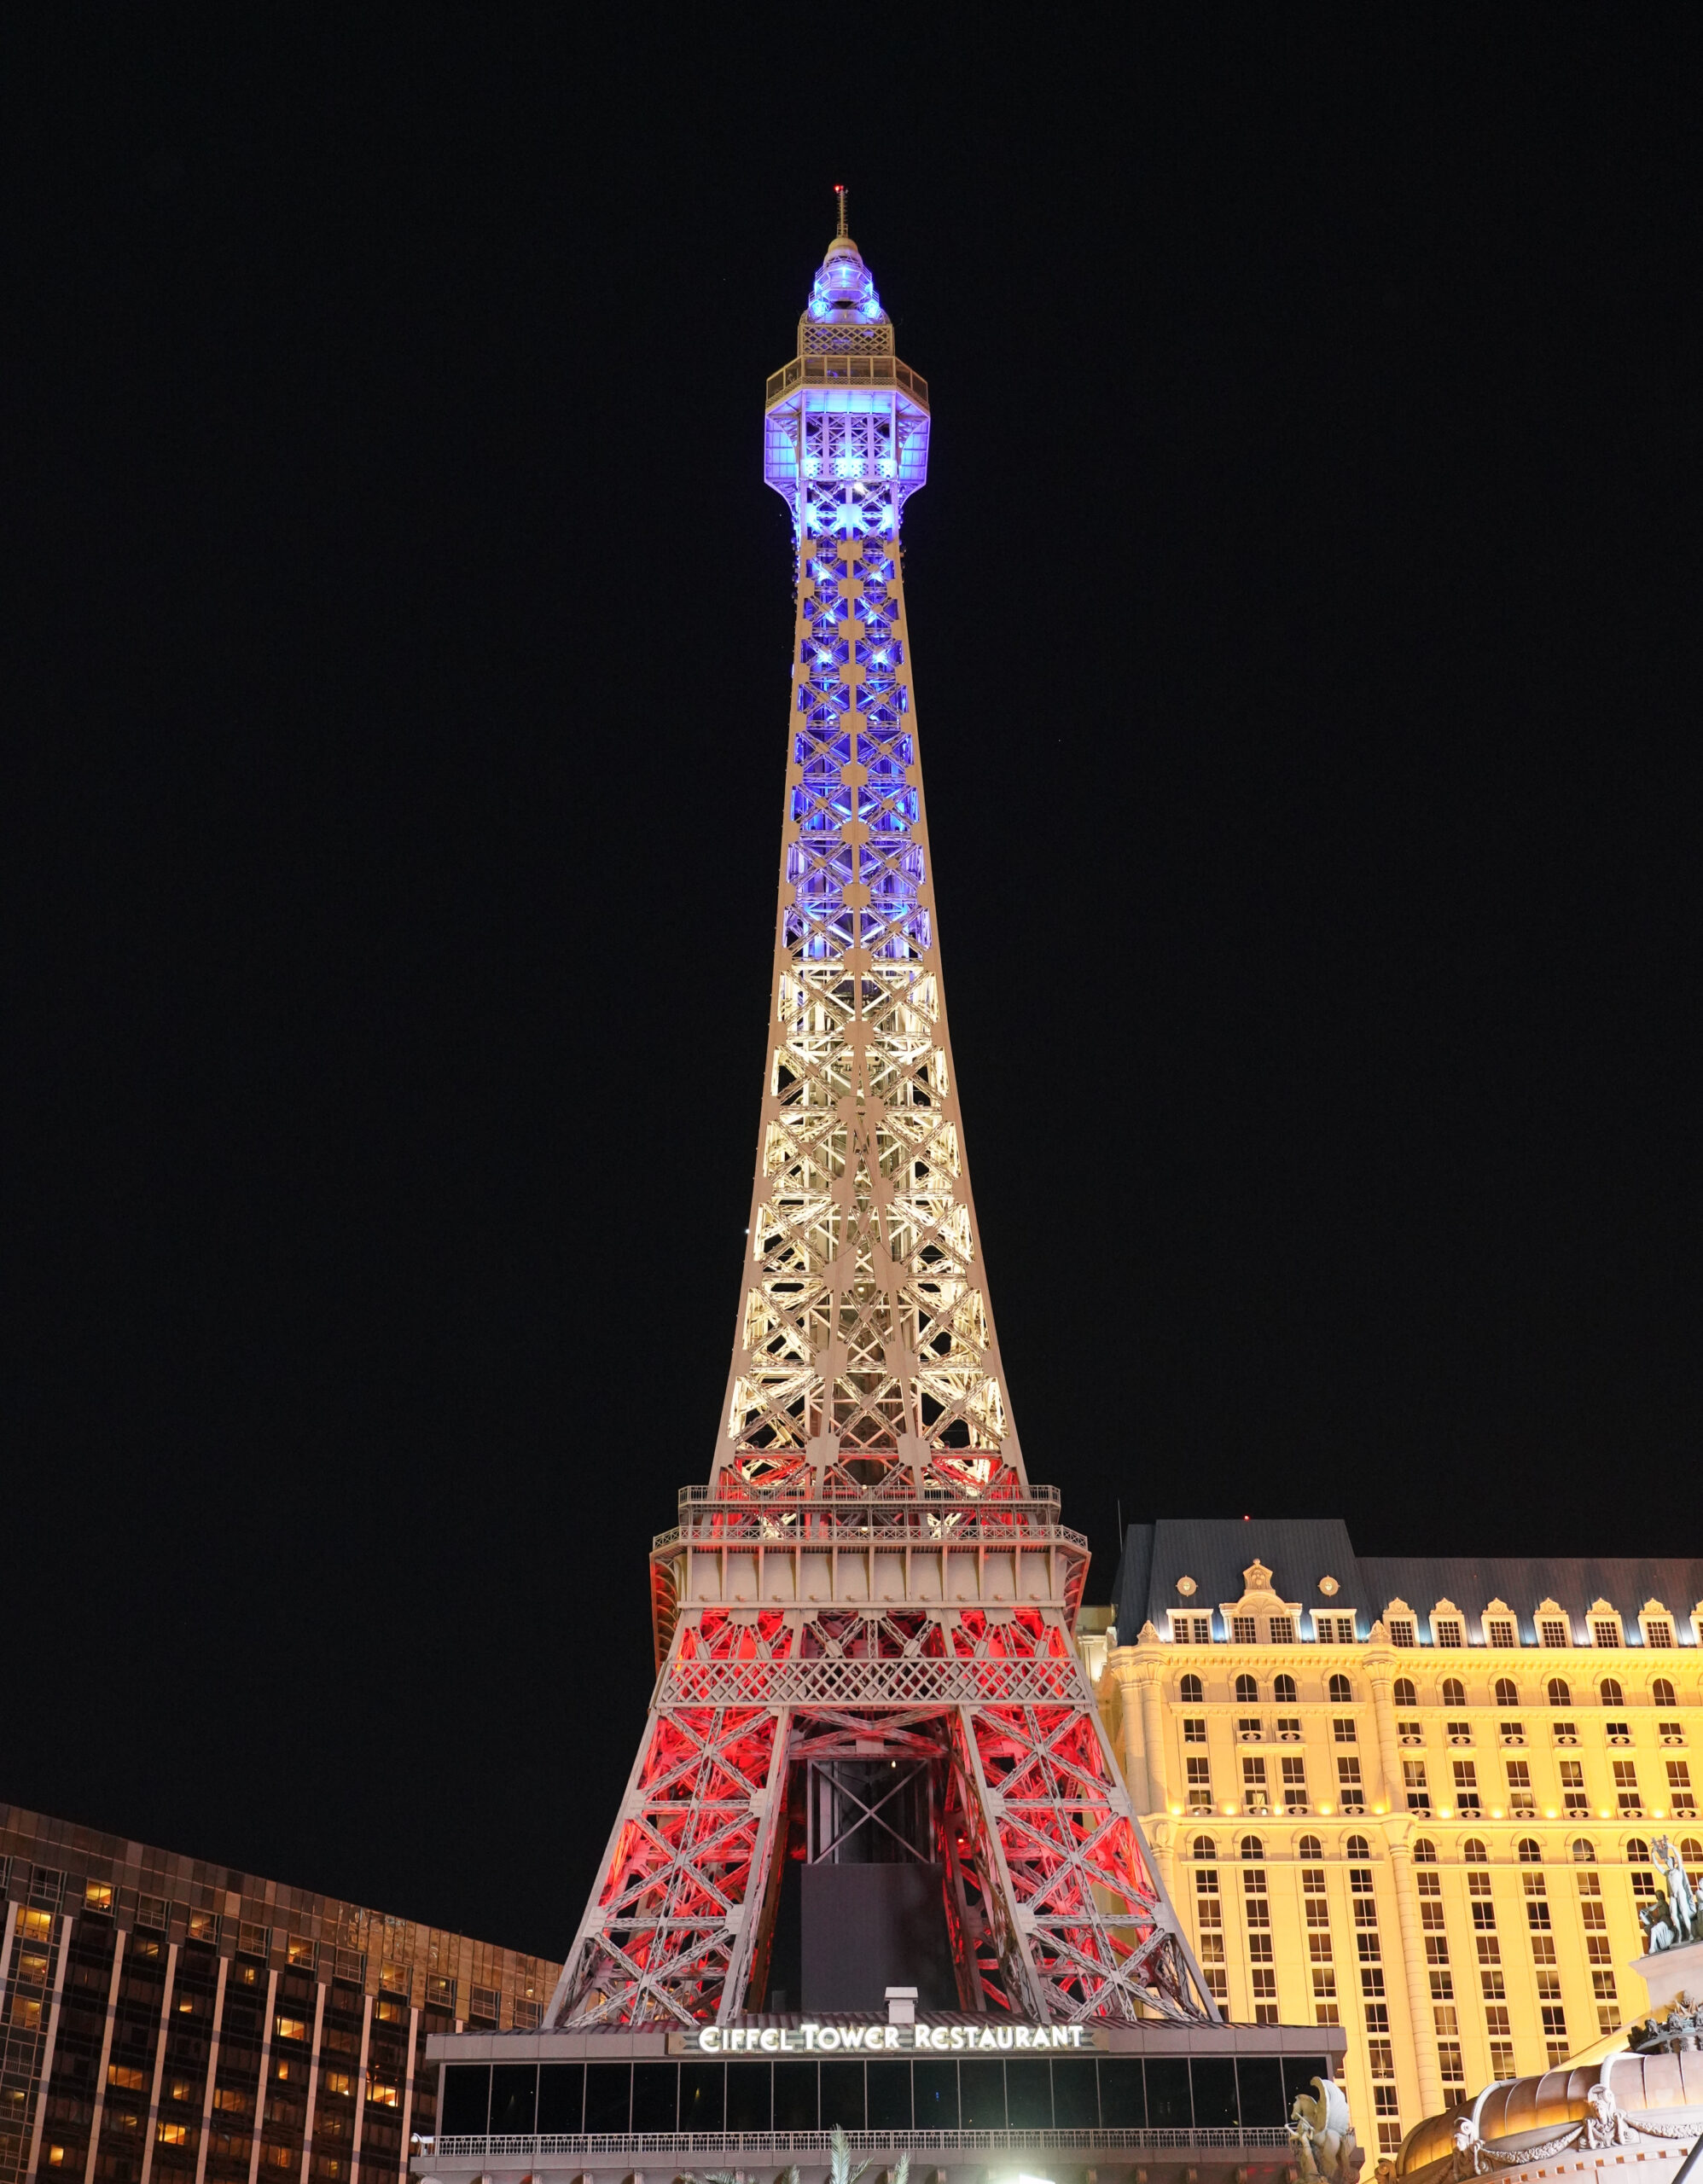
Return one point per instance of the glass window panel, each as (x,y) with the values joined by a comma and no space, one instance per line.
(1299,2073)
(467,2099)
(842,2096)
(981,2090)
(656,2089)
(747,2098)
(562,2097)
(514,2096)
(1076,2097)
(935,2090)
(1029,2094)
(1260,2081)
(1214,2081)
(608,2096)
(703,2096)
(1123,2098)
(1168,2106)
(795,2108)
(887,2091)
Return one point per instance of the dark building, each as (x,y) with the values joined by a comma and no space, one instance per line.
(171,2021)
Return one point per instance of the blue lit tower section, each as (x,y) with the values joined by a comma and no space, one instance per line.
(865,1344)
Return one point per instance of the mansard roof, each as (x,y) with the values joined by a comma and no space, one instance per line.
(1216,1552)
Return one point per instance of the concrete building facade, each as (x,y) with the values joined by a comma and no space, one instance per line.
(1412,1798)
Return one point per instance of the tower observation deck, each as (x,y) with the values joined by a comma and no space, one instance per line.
(872,1755)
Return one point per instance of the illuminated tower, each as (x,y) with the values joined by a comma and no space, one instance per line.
(872,1754)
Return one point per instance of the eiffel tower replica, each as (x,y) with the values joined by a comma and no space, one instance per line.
(872,1758)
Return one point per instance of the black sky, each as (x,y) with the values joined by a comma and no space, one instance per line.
(1305,605)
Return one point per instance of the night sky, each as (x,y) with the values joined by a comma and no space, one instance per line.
(1304,609)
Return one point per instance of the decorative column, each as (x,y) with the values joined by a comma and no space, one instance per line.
(1380,1668)
(1150,1658)
(1413,1964)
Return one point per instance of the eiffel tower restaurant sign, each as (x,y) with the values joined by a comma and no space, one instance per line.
(872,1758)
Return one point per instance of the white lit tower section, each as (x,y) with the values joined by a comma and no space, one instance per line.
(872,1754)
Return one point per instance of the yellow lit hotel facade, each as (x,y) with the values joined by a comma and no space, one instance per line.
(1411,1797)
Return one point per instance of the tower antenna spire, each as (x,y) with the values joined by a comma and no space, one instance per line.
(840,192)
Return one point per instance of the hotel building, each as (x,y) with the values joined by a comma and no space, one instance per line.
(163,2021)
(1412,1798)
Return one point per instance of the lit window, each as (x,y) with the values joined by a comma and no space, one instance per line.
(126,2078)
(97,1895)
(292,2028)
(299,1951)
(173,2134)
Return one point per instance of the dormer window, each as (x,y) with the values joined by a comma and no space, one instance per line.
(1552,1630)
(1500,1630)
(1605,1630)
(1282,1631)
(1402,1630)
(1448,1630)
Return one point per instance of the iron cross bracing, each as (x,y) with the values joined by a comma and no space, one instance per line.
(869,1575)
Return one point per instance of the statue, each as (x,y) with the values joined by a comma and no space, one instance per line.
(1323,2137)
(1679,2029)
(1468,2157)
(1679,1909)
(1604,2124)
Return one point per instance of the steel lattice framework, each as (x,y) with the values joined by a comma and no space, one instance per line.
(869,1569)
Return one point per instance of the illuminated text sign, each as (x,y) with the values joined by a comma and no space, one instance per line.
(813,2038)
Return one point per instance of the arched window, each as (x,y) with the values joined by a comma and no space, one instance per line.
(1252,1847)
(1473,1852)
(1190,1691)
(1356,1846)
(1531,1851)
(1610,1692)
(1638,1851)
(1425,1852)
(1661,1693)
(1309,1847)
(1283,1691)
(1506,1692)
(1454,1691)
(1341,1691)
(1558,1694)
(1405,1695)
(1585,1851)
(1692,1851)
(1205,1848)
(1247,1691)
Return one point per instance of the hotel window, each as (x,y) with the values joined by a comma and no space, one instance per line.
(150,1911)
(1661,1693)
(1317,1905)
(1282,1629)
(1247,1691)
(1190,1629)
(1442,1986)
(1254,1782)
(1413,1782)
(1289,1729)
(1679,1793)
(1205,1847)
(1403,1692)
(1401,1630)
(1333,1630)
(1325,2009)
(1191,1691)
(299,1951)
(1430,1888)
(1450,2067)
(1283,1692)
(1194,1729)
(1264,1982)
(1573,1786)
(1459,1732)
(1507,1693)
(1626,1788)
(1521,1803)
(1657,1631)
(1381,2059)
(1553,1631)
(1499,1630)
(1603,1632)
(1609,1691)
(1557,1692)
(1340,1691)
(1501,2044)
(1252,1847)
(1537,1903)
(1199,1785)
(1295,1784)
(1349,1787)
(1453,1692)
(1242,1630)
(1449,1630)
(1371,1991)
(1467,1798)
(1490,1978)
(1342,1729)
